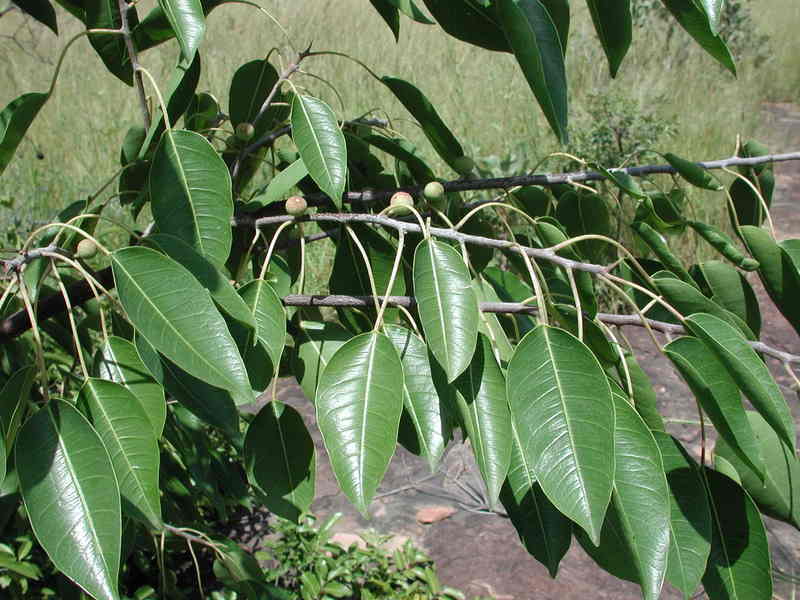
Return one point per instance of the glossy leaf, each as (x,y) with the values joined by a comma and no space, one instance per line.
(321,144)
(15,119)
(439,135)
(697,24)
(188,21)
(411,10)
(181,323)
(693,173)
(534,39)
(614,26)
(644,396)
(389,14)
(730,289)
(690,516)
(269,315)
(490,323)
(119,361)
(778,492)
(543,530)
(191,196)
(662,251)
(127,434)
(359,403)
(3,460)
(585,214)
(482,402)
(60,458)
(349,274)
(717,393)
(315,344)
(104,14)
(559,396)
(687,299)
(210,277)
(280,459)
(471,22)
(447,305)
(14,398)
(425,393)
(739,565)
(752,196)
(41,10)
(251,85)
(201,113)
(282,183)
(748,371)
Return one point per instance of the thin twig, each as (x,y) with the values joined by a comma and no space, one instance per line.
(137,74)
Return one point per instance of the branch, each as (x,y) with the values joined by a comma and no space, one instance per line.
(518,308)
(137,75)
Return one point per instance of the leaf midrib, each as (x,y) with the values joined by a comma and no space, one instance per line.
(185,184)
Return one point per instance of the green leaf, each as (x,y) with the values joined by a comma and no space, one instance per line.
(188,21)
(559,396)
(697,24)
(3,460)
(180,321)
(123,425)
(14,398)
(638,522)
(724,245)
(349,273)
(321,144)
(119,361)
(425,393)
(282,183)
(778,492)
(250,87)
(389,14)
(778,272)
(690,516)
(411,10)
(739,565)
(359,403)
(713,9)
(730,289)
(269,315)
(687,299)
(447,305)
(489,322)
(280,459)
(693,173)
(41,10)
(210,277)
(315,344)
(622,180)
(470,21)
(104,14)
(201,113)
(717,393)
(481,398)
(533,37)
(614,26)
(662,251)
(644,396)
(751,196)
(190,188)
(584,214)
(543,530)
(439,135)
(71,496)
(15,119)
(748,371)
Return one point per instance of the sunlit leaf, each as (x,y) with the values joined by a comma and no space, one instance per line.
(15,119)
(614,26)
(188,21)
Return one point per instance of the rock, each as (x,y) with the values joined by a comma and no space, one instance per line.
(345,540)
(434,514)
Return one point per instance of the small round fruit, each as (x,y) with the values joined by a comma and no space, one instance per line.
(231,143)
(464,165)
(296,206)
(434,191)
(245,131)
(401,202)
(86,249)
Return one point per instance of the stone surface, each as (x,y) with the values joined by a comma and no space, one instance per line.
(434,514)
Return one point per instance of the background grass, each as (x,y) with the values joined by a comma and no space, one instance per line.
(480,94)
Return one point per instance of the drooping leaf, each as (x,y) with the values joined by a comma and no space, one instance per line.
(207,273)
(693,173)
(188,21)
(349,274)
(559,396)
(482,402)
(752,197)
(202,113)
(280,459)
(14,398)
(62,460)
(426,393)
(282,183)
(250,87)
(717,393)
(739,564)
(411,10)
(269,315)
(748,371)
(614,26)
(180,322)
(713,10)
(690,520)
(127,433)
(447,305)
(730,289)
(389,14)
(697,24)
(534,39)
(15,119)
(778,492)
(155,28)
(543,530)
(359,403)
(104,14)
(489,322)
(191,198)
(41,10)
(644,396)
(119,361)
(439,135)
(316,342)
(321,144)
(469,21)
(622,180)
(662,251)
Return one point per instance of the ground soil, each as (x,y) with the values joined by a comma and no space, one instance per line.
(478,551)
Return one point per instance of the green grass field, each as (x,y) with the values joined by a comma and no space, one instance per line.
(481,95)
